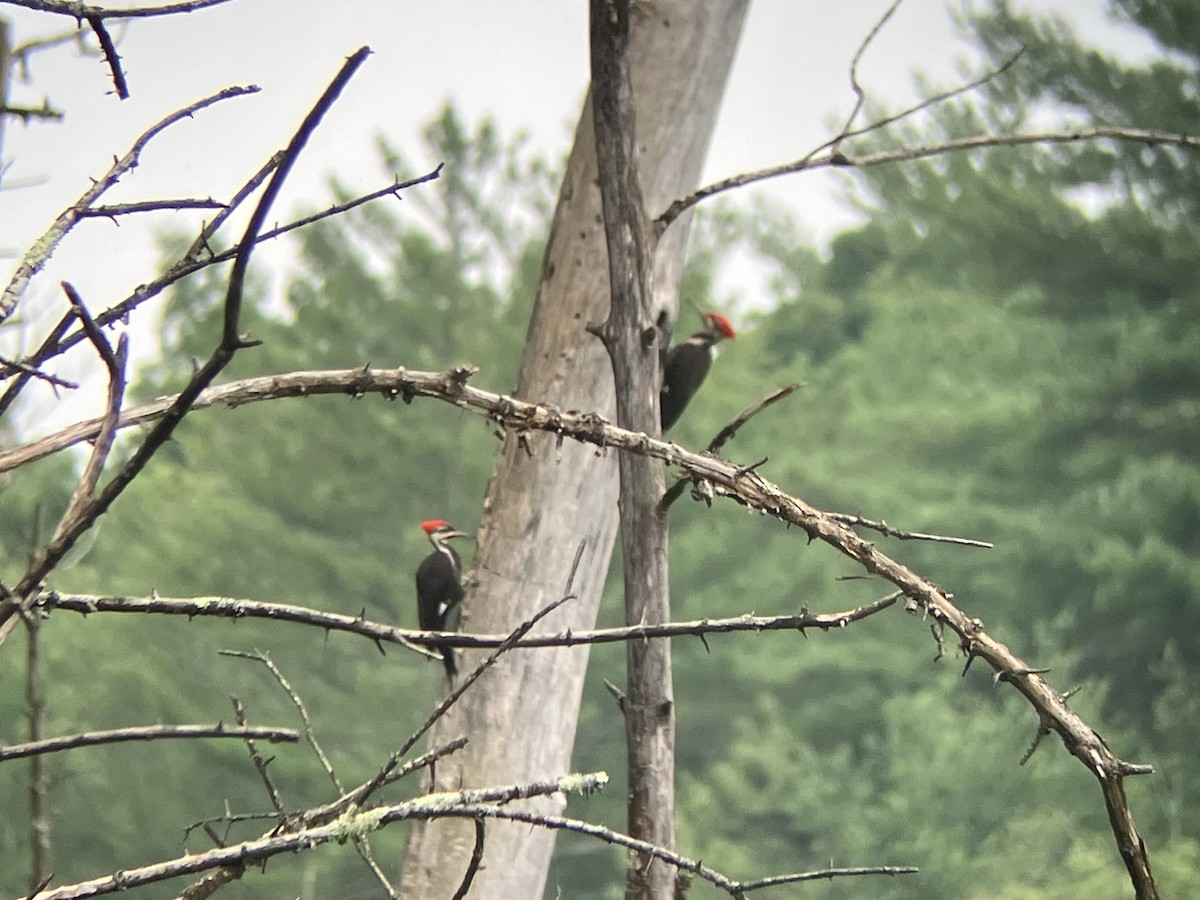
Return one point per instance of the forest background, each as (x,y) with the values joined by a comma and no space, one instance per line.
(1007,349)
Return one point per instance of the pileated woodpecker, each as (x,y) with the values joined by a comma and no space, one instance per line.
(687,364)
(439,586)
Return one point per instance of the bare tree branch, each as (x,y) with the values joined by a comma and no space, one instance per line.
(193,261)
(352,824)
(228,607)
(233,608)
(860,96)
(81,498)
(78,10)
(146,733)
(735,889)
(473,865)
(44,246)
(231,341)
(28,367)
(309,734)
(124,209)
(96,21)
(747,487)
(839,159)
(260,764)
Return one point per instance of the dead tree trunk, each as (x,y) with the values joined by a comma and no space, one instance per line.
(521,718)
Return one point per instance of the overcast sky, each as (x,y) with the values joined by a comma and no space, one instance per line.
(523,62)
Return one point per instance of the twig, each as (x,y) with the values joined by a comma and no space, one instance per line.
(260,764)
(860,96)
(228,820)
(208,232)
(731,429)
(363,846)
(823,874)
(16,366)
(191,262)
(736,889)
(907,154)
(109,49)
(81,499)
(886,529)
(473,865)
(44,246)
(36,359)
(123,209)
(146,733)
(231,341)
(309,734)
(727,433)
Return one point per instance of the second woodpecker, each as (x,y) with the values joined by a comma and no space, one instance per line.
(439,586)
(687,365)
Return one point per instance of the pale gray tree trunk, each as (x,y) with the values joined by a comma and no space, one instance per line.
(521,717)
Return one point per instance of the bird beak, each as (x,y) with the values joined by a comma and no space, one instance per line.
(447,535)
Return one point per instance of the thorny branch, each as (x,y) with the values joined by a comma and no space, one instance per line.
(44,246)
(78,10)
(96,21)
(231,341)
(840,159)
(727,434)
(260,764)
(228,607)
(747,487)
(146,733)
(735,889)
(353,823)
(200,256)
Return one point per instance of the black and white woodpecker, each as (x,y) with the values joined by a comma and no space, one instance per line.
(439,586)
(687,364)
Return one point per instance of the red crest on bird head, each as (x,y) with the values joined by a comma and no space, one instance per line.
(429,526)
(718,323)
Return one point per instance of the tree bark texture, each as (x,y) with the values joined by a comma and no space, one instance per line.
(541,502)
(634,343)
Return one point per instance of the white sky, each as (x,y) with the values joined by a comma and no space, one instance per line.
(524,62)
